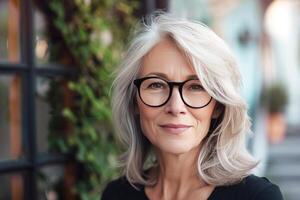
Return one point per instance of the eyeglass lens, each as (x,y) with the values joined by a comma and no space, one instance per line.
(155,92)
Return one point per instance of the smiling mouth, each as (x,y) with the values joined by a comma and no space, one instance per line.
(175,129)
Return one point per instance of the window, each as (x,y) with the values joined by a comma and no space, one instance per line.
(29,169)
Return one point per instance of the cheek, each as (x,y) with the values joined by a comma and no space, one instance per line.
(146,113)
(203,119)
(148,116)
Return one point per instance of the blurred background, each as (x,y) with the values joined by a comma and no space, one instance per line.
(56,59)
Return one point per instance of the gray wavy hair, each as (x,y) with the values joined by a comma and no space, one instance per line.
(223,158)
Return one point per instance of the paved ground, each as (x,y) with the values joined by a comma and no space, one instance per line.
(283,166)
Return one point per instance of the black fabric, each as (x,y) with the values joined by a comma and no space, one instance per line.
(251,188)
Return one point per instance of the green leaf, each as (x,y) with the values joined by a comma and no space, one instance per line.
(75,40)
(69,115)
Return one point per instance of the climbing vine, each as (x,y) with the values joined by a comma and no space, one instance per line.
(90,36)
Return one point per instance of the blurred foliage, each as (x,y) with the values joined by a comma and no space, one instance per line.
(275,98)
(89,35)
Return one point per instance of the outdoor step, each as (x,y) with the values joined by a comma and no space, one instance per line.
(284,170)
(293,131)
(285,183)
(283,158)
(290,146)
(288,187)
(291,195)
(290,191)
(283,165)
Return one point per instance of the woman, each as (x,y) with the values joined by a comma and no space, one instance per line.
(177,107)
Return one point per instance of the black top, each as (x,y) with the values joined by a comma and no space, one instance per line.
(251,188)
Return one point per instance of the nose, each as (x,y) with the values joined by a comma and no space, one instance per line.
(175,105)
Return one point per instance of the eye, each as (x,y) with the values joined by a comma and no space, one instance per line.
(156,85)
(196,87)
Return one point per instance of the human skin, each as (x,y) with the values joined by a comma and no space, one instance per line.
(177,150)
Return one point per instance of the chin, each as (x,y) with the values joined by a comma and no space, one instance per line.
(177,148)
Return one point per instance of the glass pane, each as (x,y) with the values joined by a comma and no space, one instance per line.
(51,182)
(41,38)
(10,117)
(9,30)
(51,96)
(11,186)
(45,50)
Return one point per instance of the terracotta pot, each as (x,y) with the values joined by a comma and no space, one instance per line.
(276,127)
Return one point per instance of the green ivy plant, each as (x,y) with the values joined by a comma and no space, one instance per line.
(90,35)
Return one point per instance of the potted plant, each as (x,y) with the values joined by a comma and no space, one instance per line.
(275,99)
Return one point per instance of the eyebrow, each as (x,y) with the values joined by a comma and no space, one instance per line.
(166,76)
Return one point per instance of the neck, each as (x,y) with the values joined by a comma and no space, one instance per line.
(177,175)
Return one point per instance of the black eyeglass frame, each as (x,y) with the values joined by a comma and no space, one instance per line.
(138,82)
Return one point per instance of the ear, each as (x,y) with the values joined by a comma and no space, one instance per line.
(218,110)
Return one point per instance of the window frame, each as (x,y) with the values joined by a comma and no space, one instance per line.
(29,165)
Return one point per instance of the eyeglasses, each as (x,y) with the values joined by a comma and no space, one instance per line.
(156,92)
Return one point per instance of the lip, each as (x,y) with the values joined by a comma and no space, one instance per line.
(175,128)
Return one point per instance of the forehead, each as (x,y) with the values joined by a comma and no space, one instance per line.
(166,58)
